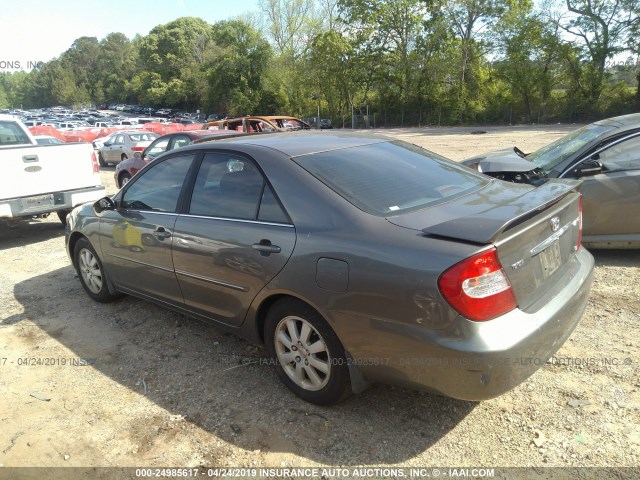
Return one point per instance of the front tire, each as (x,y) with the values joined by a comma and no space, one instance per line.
(91,272)
(309,358)
(124,179)
(62,215)
(101,160)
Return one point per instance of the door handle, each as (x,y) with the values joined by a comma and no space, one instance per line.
(160,233)
(266,248)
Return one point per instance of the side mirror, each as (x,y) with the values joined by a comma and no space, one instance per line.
(588,168)
(137,155)
(107,144)
(105,203)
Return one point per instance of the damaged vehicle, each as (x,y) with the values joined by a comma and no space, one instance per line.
(353,258)
(605,156)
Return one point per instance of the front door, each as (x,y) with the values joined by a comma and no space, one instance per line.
(136,237)
(611,199)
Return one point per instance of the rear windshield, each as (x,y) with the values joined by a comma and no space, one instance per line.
(142,137)
(12,134)
(391,178)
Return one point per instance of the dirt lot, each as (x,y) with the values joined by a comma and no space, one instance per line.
(131,384)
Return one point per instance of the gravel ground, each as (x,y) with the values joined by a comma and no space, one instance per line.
(131,384)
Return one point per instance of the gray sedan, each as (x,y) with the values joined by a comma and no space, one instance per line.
(353,259)
(605,155)
(123,145)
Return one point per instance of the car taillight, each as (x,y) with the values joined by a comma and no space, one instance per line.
(478,287)
(138,149)
(579,223)
(94,162)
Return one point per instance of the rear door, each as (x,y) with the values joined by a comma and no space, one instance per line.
(234,238)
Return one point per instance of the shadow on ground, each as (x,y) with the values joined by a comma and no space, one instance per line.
(216,381)
(28,232)
(616,258)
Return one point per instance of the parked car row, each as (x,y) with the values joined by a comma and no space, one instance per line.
(129,167)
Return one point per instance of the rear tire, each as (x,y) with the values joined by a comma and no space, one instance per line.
(309,358)
(91,272)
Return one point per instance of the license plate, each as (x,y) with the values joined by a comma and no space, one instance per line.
(39,201)
(550,258)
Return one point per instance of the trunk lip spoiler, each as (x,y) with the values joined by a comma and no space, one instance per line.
(485,229)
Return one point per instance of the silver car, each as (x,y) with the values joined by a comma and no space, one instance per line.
(605,156)
(122,145)
(353,259)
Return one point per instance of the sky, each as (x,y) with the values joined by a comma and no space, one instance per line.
(34,31)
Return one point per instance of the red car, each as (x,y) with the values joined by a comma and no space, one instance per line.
(129,167)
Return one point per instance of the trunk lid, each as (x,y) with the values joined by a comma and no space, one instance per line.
(535,230)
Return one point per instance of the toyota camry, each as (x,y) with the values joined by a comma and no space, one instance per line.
(353,259)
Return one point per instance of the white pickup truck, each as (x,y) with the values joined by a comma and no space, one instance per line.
(37,180)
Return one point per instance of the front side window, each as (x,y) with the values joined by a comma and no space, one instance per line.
(158,188)
(622,156)
(390,178)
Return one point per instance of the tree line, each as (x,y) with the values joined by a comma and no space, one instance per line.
(404,62)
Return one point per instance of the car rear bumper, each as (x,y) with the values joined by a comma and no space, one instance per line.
(50,202)
(479,360)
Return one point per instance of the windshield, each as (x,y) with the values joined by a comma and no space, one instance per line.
(391,178)
(547,158)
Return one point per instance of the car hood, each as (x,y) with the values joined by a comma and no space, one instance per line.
(481,216)
(505,160)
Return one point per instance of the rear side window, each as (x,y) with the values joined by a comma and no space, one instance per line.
(390,178)
(232,187)
(12,134)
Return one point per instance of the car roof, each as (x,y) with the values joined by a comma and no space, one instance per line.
(296,144)
(624,121)
(201,134)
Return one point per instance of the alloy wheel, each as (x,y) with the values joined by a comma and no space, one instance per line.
(302,353)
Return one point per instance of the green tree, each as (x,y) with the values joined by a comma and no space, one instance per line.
(237,69)
(529,56)
(180,50)
(469,21)
(601,28)
(116,64)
